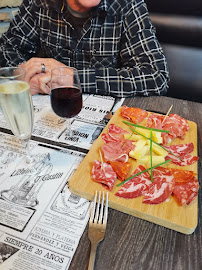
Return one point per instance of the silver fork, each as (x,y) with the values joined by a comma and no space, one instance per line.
(97,225)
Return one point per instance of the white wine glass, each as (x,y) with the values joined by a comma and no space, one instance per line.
(66,94)
(16,104)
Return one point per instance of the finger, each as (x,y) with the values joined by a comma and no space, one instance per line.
(44,83)
(35,91)
(34,84)
(33,67)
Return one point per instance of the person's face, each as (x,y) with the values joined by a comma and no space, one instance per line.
(83,5)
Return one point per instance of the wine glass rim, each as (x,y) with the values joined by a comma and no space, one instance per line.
(12,76)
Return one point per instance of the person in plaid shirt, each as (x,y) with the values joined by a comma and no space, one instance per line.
(112,43)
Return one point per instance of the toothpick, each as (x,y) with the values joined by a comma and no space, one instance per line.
(102,163)
(167,113)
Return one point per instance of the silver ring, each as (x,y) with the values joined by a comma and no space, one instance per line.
(43,68)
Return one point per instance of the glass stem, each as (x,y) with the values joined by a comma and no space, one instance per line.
(69,129)
(25,143)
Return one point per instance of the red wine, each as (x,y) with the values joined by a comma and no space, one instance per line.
(66,102)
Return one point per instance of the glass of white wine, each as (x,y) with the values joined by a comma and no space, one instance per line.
(16,104)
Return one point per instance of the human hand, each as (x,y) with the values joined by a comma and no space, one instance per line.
(38,84)
(40,81)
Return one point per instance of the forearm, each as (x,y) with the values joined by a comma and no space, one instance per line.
(11,56)
(124,82)
(21,41)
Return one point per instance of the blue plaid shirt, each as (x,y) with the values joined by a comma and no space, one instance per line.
(117,54)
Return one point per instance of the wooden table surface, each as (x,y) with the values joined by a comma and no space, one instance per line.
(131,243)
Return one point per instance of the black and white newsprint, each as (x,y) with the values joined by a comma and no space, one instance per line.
(41,222)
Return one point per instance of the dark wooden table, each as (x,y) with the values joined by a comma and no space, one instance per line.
(134,244)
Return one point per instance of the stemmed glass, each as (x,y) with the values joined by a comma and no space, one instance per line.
(16,104)
(66,94)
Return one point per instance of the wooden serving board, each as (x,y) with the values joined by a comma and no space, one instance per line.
(168,214)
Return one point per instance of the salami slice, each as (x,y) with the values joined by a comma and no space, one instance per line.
(181,176)
(136,186)
(136,115)
(185,193)
(161,187)
(121,169)
(103,174)
(117,151)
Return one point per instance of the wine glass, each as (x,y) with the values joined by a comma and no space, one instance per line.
(16,104)
(66,94)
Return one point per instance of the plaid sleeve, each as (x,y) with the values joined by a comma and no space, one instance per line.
(143,68)
(20,42)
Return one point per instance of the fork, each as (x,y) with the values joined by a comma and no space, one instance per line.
(97,225)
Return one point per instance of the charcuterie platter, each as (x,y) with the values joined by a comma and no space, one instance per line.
(169,213)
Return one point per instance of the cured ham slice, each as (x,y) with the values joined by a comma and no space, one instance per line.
(186,159)
(117,151)
(183,185)
(174,123)
(186,192)
(107,138)
(114,134)
(136,186)
(121,169)
(179,120)
(155,121)
(161,187)
(135,115)
(182,151)
(103,174)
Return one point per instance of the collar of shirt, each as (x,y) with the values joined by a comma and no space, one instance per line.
(77,14)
